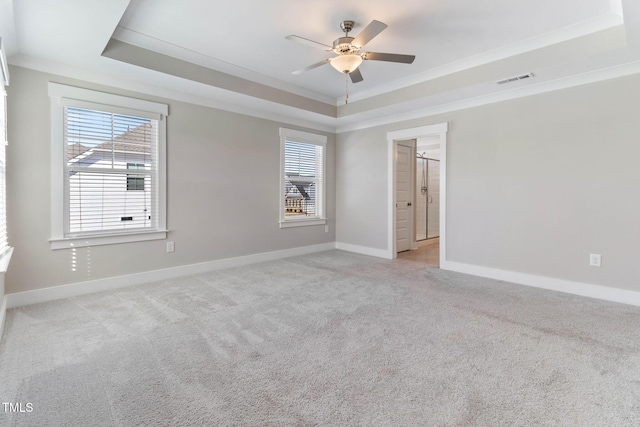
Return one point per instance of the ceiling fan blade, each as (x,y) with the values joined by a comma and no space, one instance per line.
(389,57)
(370,31)
(308,42)
(356,76)
(312,66)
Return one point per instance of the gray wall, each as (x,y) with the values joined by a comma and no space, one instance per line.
(361,192)
(223,188)
(533,185)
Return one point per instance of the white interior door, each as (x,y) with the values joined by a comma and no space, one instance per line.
(404,219)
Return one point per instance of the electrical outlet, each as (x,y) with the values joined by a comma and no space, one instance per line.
(171,246)
(326,228)
(595,260)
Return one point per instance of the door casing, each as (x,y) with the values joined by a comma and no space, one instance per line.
(393,138)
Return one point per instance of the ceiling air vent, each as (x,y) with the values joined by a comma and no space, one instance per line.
(515,79)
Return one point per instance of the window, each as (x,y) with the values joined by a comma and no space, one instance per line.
(135,182)
(4,244)
(302,171)
(108,168)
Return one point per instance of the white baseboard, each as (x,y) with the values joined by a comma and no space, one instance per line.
(364,250)
(560,285)
(82,288)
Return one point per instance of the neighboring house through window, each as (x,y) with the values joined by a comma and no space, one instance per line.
(135,182)
(302,181)
(108,166)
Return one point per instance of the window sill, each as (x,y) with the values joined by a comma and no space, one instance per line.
(106,239)
(302,222)
(5,258)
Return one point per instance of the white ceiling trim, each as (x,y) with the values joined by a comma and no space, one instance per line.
(309,122)
(293,116)
(288,115)
(547,39)
(160,46)
(612,19)
(549,86)
(170,66)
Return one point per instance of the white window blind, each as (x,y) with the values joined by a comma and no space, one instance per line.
(302,182)
(4,245)
(110,171)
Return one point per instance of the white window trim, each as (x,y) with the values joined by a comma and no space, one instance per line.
(309,138)
(5,256)
(60,95)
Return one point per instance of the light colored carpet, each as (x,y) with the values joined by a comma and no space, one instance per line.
(327,339)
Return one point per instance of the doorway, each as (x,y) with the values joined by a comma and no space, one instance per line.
(426,246)
(436,134)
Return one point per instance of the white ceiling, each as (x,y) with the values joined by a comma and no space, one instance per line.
(462,47)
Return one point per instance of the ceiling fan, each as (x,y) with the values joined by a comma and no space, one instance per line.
(349,52)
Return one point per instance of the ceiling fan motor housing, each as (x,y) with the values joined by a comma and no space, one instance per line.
(349,55)
(343,46)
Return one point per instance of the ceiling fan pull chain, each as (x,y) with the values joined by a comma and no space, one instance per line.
(346,87)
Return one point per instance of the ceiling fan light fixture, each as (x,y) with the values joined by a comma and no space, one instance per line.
(348,50)
(346,63)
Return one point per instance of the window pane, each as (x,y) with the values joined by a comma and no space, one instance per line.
(110,170)
(303,179)
(107,139)
(100,201)
(135,182)
(300,199)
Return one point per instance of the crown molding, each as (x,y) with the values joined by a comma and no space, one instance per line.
(145,41)
(547,39)
(293,117)
(534,89)
(289,115)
